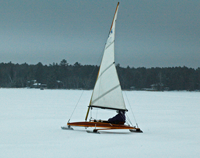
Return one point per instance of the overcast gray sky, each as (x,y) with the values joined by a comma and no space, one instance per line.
(149,33)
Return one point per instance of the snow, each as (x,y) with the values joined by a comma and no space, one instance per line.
(30,121)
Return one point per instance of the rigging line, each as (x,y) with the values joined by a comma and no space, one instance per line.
(131,108)
(105,93)
(90,76)
(129,120)
(98,61)
(76,104)
(99,58)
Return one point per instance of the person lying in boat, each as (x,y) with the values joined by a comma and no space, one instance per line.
(120,118)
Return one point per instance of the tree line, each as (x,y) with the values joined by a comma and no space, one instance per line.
(77,76)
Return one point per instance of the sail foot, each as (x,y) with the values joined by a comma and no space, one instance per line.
(95,106)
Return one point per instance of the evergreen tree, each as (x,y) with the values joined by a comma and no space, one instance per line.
(78,76)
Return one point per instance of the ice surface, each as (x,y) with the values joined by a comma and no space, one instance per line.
(30,121)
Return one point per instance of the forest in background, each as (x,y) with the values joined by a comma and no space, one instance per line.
(77,76)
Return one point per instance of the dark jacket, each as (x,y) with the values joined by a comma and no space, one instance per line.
(119,118)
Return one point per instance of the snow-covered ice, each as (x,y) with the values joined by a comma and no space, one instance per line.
(30,121)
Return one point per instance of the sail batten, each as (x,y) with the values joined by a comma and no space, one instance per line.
(107,92)
(106,69)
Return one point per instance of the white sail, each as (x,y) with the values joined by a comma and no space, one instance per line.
(107,91)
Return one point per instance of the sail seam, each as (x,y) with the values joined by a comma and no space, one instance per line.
(110,44)
(106,70)
(105,93)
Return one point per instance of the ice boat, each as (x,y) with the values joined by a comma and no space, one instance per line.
(107,93)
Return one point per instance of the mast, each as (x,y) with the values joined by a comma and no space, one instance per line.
(114,15)
(107,91)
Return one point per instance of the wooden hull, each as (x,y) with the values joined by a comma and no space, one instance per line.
(103,125)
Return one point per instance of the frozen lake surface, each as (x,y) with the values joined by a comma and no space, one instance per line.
(30,121)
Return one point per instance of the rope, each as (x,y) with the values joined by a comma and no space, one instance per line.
(99,58)
(131,109)
(129,120)
(98,61)
(76,105)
